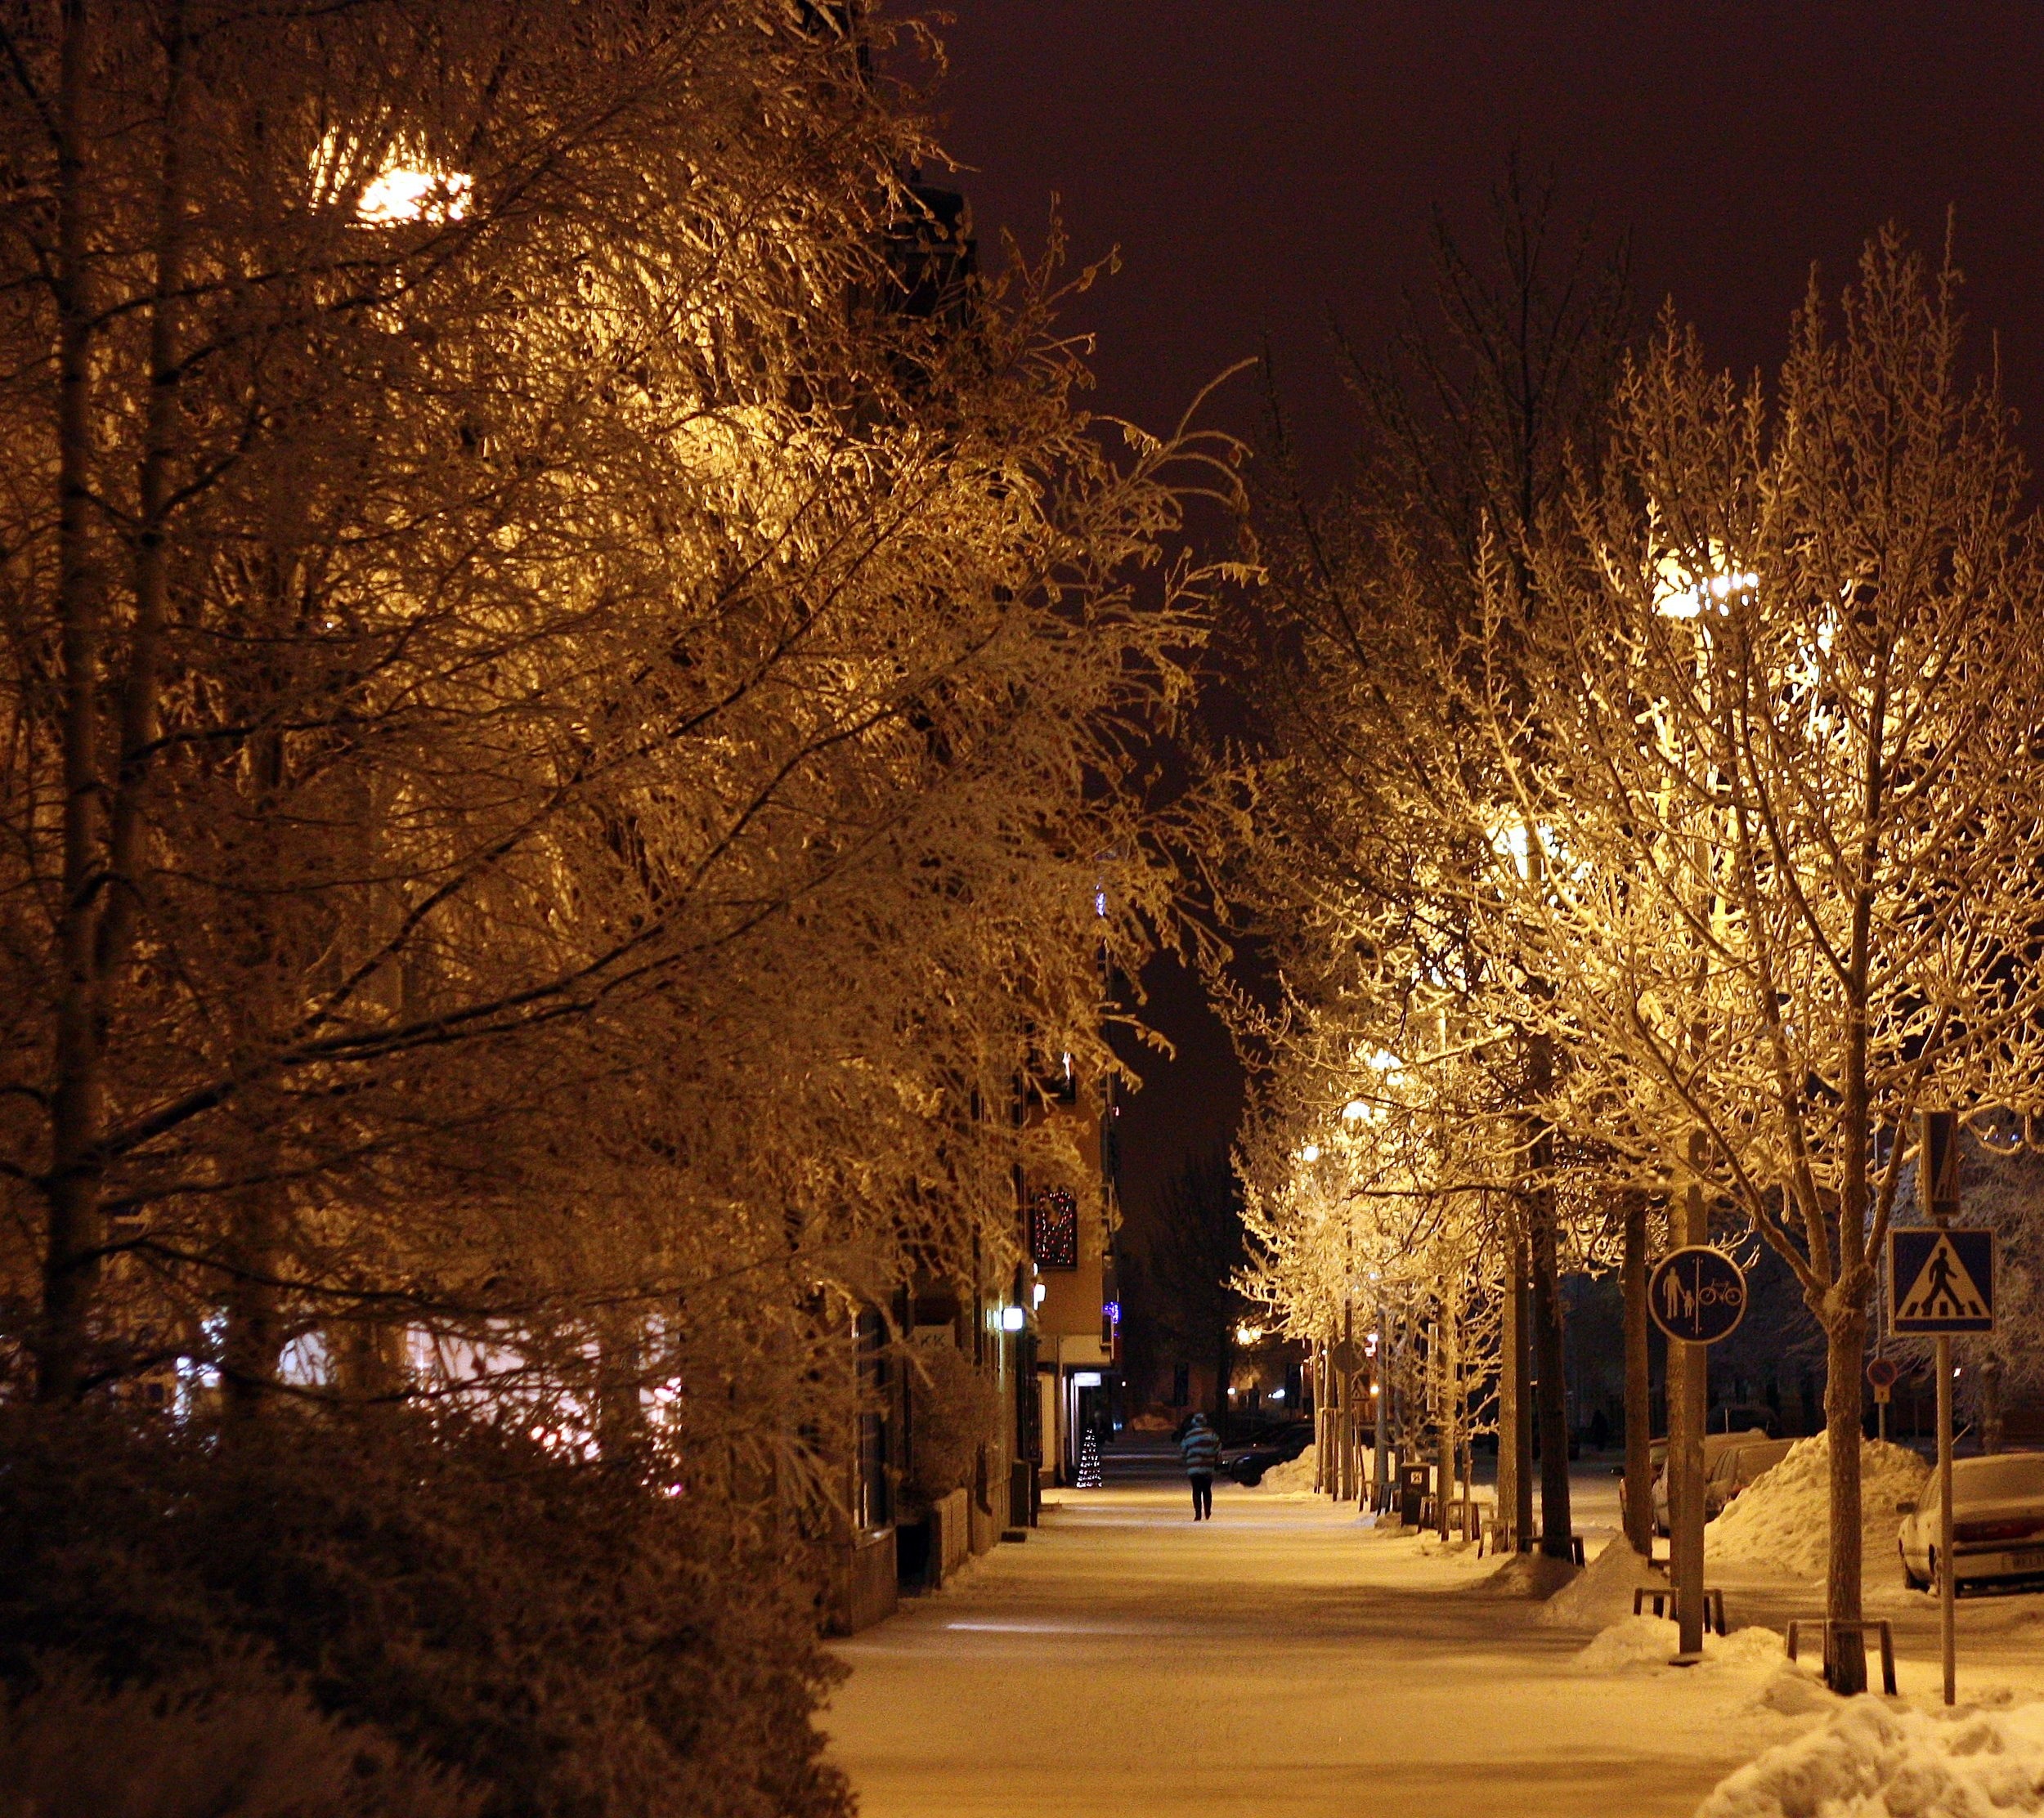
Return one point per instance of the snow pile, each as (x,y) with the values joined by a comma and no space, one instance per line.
(1872,1760)
(1604,1593)
(1533,1575)
(1636,1643)
(1294,1475)
(1783,1521)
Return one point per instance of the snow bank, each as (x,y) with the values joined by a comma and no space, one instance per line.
(1533,1575)
(1783,1521)
(1604,1593)
(1872,1760)
(1634,1644)
(1294,1475)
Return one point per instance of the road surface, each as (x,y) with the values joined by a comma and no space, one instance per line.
(1278,1660)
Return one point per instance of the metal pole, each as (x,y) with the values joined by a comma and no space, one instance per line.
(1688,1408)
(1947,1586)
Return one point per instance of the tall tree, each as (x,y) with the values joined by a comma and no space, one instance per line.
(1791,671)
(1373,798)
(568,667)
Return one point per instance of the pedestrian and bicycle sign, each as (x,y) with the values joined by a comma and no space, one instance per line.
(1696,1294)
(1940,1281)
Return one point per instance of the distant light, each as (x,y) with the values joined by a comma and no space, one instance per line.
(1247,1334)
(1085,1379)
(1312,1151)
(1277,1395)
(1354,1112)
(1374,1390)
(1042,1289)
(1100,903)
(401,194)
(1014,1318)
(394,193)
(1113,1310)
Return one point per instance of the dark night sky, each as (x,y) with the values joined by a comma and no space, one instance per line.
(1261,163)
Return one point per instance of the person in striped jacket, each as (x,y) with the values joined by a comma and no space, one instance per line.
(1201,1450)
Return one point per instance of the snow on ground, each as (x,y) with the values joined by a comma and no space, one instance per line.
(1783,1522)
(1281,1661)
(1873,1760)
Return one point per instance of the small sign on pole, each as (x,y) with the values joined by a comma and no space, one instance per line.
(1696,1294)
(1940,1280)
(1938,1165)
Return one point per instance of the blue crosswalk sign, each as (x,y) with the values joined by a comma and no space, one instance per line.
(1940,1281)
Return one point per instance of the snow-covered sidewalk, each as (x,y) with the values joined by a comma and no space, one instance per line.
(1281,1659)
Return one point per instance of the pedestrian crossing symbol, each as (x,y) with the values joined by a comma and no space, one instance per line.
(1941,1281)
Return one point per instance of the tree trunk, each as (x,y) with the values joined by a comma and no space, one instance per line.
(254,1337)
(72,1189)
(1557,1530)
(1991,1415)
(1512,1430)
(368,1367)
(1639,1489)
(1443,1465)
(1844,1355)
(621,1417)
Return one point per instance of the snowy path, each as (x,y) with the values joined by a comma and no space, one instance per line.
(1278,1660)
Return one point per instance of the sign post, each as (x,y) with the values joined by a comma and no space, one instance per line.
(1697,1296)
(1881,1373)
(1941,1281)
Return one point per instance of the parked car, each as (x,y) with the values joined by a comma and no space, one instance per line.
(1247,1466)
(1734,1471)
(1716,1446)
(1743,1417)
(1997,1524)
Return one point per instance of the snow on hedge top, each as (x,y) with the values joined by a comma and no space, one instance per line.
(1872,1760)
(1783,1520)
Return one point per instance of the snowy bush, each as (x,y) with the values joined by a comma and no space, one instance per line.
(567,1638)
(236,1741)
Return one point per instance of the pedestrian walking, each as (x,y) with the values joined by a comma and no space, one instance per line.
(1201,1450)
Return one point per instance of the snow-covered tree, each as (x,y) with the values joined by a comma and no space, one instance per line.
(1785,698)
(570,672)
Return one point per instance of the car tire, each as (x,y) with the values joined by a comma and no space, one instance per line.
(1908,1577)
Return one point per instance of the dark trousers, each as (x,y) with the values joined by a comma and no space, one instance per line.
(1202,1493)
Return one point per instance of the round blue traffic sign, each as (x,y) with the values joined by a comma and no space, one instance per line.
(1696,1294)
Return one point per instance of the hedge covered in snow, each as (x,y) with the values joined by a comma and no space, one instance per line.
(566,1639)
